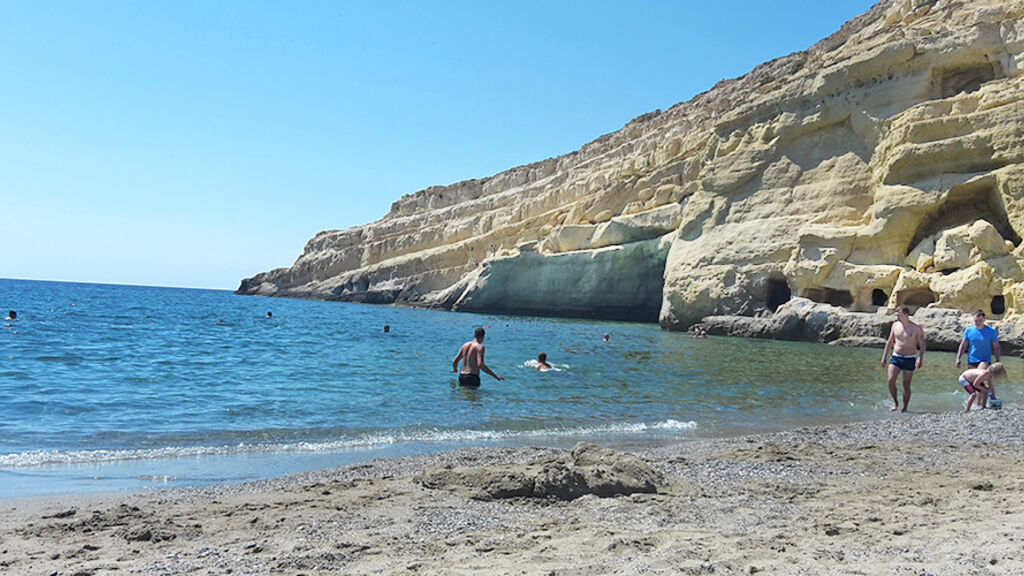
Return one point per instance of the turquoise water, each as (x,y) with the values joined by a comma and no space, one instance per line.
(106,387)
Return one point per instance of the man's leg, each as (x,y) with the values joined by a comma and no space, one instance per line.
(907,375)
(893,371)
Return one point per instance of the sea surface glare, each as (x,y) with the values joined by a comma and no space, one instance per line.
(106,387)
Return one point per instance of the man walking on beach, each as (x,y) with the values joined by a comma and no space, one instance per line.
(908,354)
(983,342)
(472,356)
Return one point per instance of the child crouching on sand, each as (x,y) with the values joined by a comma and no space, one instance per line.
(980,383)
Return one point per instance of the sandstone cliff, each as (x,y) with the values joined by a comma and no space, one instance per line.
(883,166)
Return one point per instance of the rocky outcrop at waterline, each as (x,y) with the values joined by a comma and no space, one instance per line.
(803,320)
(883,166)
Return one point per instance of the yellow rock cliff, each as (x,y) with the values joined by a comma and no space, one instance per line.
(883,166)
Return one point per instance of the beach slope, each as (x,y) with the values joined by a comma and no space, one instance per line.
(914,494)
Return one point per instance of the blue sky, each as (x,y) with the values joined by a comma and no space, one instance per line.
(196,143)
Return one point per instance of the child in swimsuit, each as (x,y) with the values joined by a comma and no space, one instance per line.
(979,383)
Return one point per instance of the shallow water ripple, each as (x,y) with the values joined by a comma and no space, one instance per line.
(93,375)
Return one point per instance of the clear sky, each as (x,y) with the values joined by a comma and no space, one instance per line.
(196,143)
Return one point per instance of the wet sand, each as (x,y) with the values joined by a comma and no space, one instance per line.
(913,494)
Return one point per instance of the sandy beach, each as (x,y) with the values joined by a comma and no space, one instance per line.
(913,494)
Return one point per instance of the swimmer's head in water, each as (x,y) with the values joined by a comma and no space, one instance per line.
(270,314)
(542,357)
(12,314)
(387,328)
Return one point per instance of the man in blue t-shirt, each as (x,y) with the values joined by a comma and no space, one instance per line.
(983,341)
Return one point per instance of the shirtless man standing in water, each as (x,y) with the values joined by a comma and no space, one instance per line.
(472,356)
(906,356)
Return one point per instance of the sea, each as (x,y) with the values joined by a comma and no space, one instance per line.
(109,388)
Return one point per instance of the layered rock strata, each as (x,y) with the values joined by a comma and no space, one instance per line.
(884,166)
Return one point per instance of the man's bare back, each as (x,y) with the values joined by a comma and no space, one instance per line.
(472,357)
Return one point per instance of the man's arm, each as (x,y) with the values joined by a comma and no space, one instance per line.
(485,369)
(455,361)
(889,344)
(960,352)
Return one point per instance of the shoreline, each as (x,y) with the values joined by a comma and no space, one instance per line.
(924,493)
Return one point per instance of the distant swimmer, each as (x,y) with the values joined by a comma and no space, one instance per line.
(270,314)
(12,315)
(542,362)
(387,328)
(607,337)
(906,339)
(472,356)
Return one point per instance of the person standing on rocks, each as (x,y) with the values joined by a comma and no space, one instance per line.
(982,340)
(472,356)
(906,340)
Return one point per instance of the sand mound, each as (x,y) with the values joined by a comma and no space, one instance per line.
(589,469)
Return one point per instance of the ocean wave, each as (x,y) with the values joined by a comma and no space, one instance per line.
(364,442)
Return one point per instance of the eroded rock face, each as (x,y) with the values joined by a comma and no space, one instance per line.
(884,166)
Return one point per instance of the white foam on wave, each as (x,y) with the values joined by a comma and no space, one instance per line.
(675,425)
(368,441)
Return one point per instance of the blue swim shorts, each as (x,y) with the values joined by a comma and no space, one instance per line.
(902,362)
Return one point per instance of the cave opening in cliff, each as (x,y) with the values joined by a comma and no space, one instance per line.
(778,293)
(964,205)
(879,297)
(841,298)
(916,298)
(954,80)
(998,305)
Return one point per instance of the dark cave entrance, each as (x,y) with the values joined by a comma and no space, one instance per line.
(917,298)
(998,305)
(841,298)
(879,297)
(947,82)
(963,205)
(778,293)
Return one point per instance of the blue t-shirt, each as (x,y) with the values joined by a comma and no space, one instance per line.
(981,343)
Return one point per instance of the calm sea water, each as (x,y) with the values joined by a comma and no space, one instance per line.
(106,387)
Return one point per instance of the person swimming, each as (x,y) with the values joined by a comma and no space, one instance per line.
(542,362)
(11,315)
